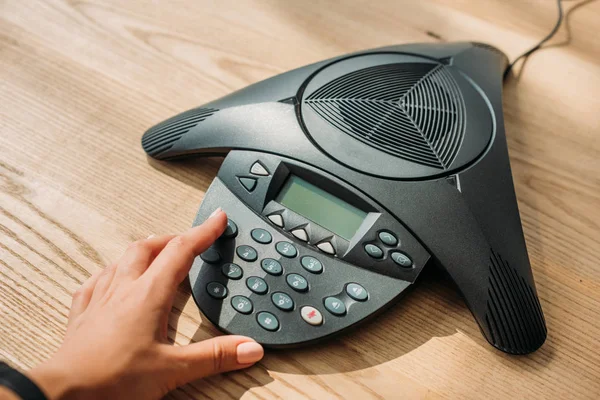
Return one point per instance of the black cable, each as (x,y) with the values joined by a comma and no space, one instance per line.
(544,40)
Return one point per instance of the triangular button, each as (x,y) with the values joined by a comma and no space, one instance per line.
(249,183)
(259,169)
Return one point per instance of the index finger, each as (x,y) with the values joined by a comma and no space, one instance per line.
(173,263)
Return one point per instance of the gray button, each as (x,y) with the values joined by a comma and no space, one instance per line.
(276,219)
(326,247)
(402,259)
(271,266)
(286,249)
(311,315)
(267,321)
(282,301)
(248,183)
(211,256)
(335,306)
(388,238)
(257,285)
(216,290)
(246,253)
(300,234)
(356,291)
(311,264)
(231,231)
(261,236)
(241,304)
(297,282)
(232,271)
(258,169)
(374,251)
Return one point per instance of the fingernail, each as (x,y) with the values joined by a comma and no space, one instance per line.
(249,352)
(218,210)
(151,236)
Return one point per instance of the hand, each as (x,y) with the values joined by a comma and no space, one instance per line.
(116,343)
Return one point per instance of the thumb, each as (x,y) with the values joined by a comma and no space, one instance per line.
(216,355)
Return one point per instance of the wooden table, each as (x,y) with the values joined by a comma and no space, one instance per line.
(80,81)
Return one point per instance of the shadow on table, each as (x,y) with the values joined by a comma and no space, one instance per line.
(428,312)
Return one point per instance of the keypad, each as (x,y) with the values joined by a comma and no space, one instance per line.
(311,264)
(357,292)
(216,290)
(402,259)
(257,285)
(297,282)
(388,238)
(261,236)
(271,266)
(335,306)
(231,230)
(241,304)
(286,249)
(268,321)
(232,271)
(246,253)
(282,301)
(211,256)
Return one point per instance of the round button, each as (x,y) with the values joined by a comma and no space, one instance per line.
(246,253)
(311,315)
(402,259)
(231,231)
(241,304)
(232,271)
(388,238)
(257,285)
(374,251)
(216,290)
(297,282)
(311,264)
(211,256)
(335,306)
(282,301)
(357,292)
(261,236)
(286,249)
(271,266)
(268,321)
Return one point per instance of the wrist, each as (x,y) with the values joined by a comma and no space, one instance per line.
(55,380)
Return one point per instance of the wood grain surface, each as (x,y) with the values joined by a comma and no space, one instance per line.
(81,80)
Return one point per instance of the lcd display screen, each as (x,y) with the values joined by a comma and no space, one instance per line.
(321,207)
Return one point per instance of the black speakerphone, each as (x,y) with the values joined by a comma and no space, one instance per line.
(343,179)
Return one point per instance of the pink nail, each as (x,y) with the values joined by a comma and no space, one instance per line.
(218,210)
(151,236)
(249,352)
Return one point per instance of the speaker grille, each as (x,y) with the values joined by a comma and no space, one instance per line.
(414,111)
(514,315)
(163,136)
